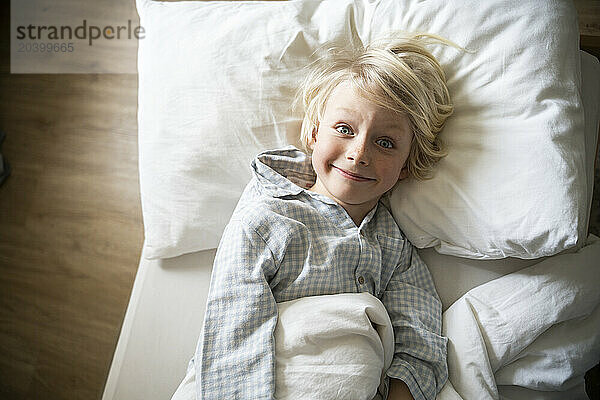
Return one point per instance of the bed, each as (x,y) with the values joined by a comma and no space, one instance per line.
(508,247)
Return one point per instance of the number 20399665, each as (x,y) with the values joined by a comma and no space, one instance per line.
(46,47)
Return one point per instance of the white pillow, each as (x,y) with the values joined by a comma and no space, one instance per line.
(216,80)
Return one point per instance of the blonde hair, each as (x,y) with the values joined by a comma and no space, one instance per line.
(398,74)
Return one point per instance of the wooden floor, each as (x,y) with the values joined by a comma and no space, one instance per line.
(70,228)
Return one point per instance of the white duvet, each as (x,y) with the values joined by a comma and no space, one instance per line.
(521,336)
(332,347)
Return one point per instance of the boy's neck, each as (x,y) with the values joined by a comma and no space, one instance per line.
(357,212)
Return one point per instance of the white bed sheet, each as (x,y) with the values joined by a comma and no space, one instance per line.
(161,327)
(166,308)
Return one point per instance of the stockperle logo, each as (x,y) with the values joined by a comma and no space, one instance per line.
(84,31)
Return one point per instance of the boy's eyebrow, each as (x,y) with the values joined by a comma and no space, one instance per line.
(391,124)
(350,110)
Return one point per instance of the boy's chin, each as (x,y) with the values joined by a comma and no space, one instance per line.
(356,201)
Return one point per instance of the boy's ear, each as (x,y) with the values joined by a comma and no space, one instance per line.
(313,139)
(403,173)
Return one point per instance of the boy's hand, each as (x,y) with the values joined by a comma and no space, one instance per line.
(399,390)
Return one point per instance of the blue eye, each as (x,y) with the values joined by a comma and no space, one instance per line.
(385,143)
(344,130)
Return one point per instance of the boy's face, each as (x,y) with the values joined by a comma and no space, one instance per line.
(359,150)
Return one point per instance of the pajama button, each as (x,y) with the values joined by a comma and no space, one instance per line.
(361,280)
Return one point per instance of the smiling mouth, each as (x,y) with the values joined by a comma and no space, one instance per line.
(352,176)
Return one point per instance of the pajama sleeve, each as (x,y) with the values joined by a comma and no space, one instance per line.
(416,314)
(235,355)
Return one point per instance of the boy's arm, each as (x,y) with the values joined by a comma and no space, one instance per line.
(416,314)
(235,356)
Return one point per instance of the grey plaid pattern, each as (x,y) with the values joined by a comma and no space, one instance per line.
(284,242)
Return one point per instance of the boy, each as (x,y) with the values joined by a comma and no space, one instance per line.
(314,225)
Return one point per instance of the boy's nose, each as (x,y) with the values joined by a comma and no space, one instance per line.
(358,154)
